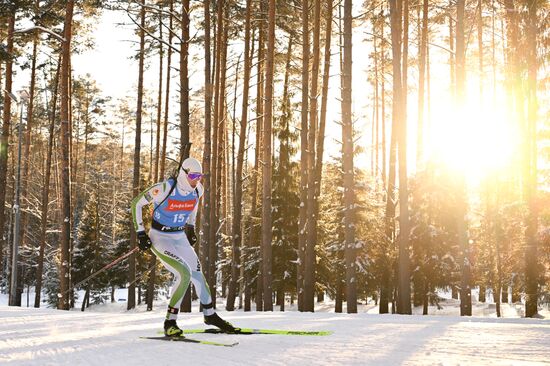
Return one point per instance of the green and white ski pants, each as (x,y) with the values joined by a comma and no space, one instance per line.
(179,257)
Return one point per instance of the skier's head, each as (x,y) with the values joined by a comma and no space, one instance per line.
(190,172)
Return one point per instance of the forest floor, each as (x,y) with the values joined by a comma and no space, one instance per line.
(109,335)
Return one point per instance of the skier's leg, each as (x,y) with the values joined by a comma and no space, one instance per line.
(210,315)
(197,277)
(166,249)
(180,270)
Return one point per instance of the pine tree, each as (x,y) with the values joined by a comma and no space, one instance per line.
(63,303)
(6,117)
(347,162)
(90,251)
(137,160)
(286,199)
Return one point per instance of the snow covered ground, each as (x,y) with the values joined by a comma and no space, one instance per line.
(109,335)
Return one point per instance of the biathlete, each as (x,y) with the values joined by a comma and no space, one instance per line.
(172,237)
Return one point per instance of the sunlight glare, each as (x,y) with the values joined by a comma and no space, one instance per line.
(477,141)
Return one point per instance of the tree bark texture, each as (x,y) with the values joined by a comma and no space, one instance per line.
(137,160)
(6,126)
(65,239)
(347,157)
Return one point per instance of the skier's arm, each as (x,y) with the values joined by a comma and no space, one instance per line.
(143,199)
(193,215)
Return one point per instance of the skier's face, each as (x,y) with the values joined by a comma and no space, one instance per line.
(193,178)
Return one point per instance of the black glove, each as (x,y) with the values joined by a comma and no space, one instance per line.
(144,241)
(190,232)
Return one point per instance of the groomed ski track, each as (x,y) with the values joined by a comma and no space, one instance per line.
(110,336)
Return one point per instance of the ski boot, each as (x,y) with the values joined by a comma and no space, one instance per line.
(171,329)
(216,321)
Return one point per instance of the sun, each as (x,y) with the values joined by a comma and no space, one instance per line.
(477,140)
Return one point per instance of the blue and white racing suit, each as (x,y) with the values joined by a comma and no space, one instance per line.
(170,243)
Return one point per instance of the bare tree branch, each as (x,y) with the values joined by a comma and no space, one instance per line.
(174,34)
(152,35)
(160,10)
(37,27)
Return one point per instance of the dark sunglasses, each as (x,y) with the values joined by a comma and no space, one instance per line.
(194,176)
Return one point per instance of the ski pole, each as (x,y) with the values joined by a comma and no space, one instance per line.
(143,274)
(125,255)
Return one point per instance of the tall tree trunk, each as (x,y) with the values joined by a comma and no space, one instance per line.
(246,285)
(137,151)
(74,187)
(159,103)
(206,159)
(324,101)
(6,117)
(233,165)
(383,95)
(46,191)
(114,205)
(303,222)
(404,226)
(213,209)
(3,29)
(232,182)
(224,175)
(513,69)
(428,87)
(531,261)
(216,156)
(267,231)
(184,81)
(238,197)
(324,95)
(221,174)
(258,153)
(465,291)
(386,286)
(405,62)
(27,150)
(398,113)
(309,274)
(323,112)
(167,98)
(152,262)
(347,157)
(65,239)
(184,111)
(375,164)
